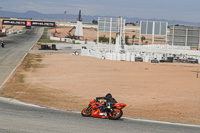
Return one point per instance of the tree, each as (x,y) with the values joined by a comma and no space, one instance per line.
(85,41)
(94,21)
(103,39)
(131,23)
(137,22)
(126,40)
(142,38)
(113,40)
(133,37)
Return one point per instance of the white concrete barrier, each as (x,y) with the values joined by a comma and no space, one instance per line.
(132,57)
(146,58)
(114,56)
(123,57)
(118,56)
(111,56)
(107,56)
(128,56)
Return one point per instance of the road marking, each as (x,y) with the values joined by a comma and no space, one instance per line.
(17,102)
(161,122)
(2,85)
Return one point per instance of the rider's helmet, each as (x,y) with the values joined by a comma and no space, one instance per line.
(108,95)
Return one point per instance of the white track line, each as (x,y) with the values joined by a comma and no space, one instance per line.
(78,112)
(2,85)
(12,71)
(161,122)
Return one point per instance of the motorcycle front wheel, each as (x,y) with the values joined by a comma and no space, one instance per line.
(115,114)
(86,112)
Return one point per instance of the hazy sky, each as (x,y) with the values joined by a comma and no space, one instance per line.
(186,10)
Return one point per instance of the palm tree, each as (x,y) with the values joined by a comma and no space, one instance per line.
(142,38)
(113,40)
(126,40)
(133,37)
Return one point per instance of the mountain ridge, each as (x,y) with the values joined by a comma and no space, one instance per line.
(86,18)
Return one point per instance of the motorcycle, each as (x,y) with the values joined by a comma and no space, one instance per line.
(2,45)
(101,109)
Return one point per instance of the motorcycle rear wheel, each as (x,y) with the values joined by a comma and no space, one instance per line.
(86,112)
(115,115)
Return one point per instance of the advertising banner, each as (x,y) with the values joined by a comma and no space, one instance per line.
(43,24)
(14,22)
(29,23)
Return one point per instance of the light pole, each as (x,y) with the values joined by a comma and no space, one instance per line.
(65,12)
(65,16)
(0,19)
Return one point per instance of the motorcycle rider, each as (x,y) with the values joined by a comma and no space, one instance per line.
(109,101)
(2,43)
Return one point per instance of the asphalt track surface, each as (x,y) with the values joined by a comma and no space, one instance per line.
(16,47)
(18,117)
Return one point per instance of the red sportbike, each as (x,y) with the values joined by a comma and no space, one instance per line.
(101,109)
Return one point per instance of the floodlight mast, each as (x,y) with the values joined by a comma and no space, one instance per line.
(110,39)
(140,33)
(119,46)
(199,40)
(186,38)
(173,38)
(65,12)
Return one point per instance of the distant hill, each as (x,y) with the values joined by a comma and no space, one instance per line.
(86,18)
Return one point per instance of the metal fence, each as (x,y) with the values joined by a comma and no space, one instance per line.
(153,28)
(184,36)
